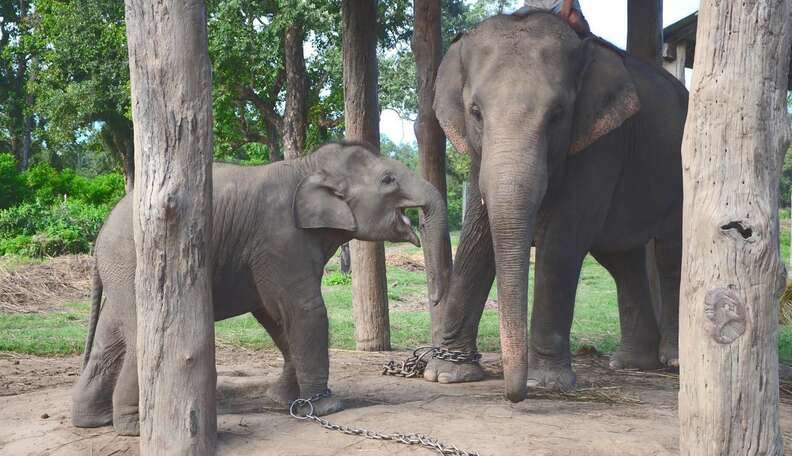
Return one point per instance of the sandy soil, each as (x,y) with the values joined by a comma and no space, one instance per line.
(611,414)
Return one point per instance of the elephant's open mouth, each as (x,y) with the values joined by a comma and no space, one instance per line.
(404,225)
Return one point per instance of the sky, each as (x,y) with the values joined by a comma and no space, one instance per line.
(609,22)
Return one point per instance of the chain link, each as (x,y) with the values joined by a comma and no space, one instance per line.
(407,439)
(415,365)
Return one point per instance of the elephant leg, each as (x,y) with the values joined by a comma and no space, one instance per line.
(555,285)
(286,388)
(92,396)
(471,281)
(639,334)
(307,334)
(126,419)
(669,264)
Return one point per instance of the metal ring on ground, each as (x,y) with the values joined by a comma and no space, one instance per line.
(300,403)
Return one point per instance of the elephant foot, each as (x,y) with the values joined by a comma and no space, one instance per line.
(641,359)
(549,373)
(669,351)
(328,405)
(84,419)
(127,424)
(442,371)
(320,407)
(284,390)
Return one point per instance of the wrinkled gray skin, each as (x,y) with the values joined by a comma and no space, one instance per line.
(578,150)
(275,228)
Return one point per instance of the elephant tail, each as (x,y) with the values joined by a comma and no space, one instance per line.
(96,305)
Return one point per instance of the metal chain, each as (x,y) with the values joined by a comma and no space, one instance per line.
(407,439)
(414,365)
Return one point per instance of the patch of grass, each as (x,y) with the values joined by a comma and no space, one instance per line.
(59,333)
(596,320)
(336,278)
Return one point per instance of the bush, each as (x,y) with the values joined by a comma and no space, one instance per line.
(48,185)
(61,228)
(44,211)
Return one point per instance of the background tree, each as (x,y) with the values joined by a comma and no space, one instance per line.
(361,111)
(736,134)
(82,88)
(427,47)
(171,86)
(17,65)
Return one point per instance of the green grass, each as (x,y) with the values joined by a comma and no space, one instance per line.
(596,321)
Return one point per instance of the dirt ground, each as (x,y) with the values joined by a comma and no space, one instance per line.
(621,413)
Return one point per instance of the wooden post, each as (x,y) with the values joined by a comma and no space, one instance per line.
(645,29)
(674,56)
(361,115)
(427,46)
(171,82)
(645,41)
(736,135)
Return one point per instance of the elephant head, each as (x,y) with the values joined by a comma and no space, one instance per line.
(352,189)
(523,94)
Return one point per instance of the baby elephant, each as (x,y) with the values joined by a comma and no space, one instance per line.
(275,227)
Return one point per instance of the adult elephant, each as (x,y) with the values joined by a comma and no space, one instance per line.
(575,147)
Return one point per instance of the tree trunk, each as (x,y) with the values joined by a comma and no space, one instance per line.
(645,30)
(171,83)
(345,259)
(427,46)
(118,137)
(736,134)
(645,41)
(295,115)
(361,111)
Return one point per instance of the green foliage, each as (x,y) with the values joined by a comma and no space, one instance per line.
(336,278)
(81,86)
(53,212)
(37,229)
(11,189)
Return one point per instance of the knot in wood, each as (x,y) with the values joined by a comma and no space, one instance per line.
(725,314)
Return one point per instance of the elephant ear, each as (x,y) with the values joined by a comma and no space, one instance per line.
(607,95)
(448,104)
(319,203)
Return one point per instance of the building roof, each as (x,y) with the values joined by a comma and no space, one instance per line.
(684,31)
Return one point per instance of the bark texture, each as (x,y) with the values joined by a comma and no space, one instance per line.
(361,111)
(295,115)
(172,110)
(645,30)
(736,134)
(427,47)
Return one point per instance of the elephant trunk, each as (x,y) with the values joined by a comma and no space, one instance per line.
(436,242)
(513,182)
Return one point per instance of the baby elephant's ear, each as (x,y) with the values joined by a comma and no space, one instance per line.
(319,203)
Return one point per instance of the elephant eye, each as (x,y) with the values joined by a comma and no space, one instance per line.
(388,179)
(475,112)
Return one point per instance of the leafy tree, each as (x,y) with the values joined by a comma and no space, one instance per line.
(17,64)
(82,88)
